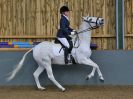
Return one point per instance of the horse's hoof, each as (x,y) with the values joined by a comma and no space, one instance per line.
(41,88)
(87,78)
(101,80)
(63,90)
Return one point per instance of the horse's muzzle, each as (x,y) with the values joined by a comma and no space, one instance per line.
(101,22)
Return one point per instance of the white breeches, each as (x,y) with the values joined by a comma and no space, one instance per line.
(64,42)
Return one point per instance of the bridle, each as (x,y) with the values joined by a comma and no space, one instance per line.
(91,27)
(88,29)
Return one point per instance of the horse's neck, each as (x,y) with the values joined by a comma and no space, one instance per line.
(85,37)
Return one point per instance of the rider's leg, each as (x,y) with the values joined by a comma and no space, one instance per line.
(66,52)
(65,42)
(71,45)
(69,50)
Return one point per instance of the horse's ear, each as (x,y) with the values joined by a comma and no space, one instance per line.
(83,18)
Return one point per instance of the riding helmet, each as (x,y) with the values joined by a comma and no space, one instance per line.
(64,9)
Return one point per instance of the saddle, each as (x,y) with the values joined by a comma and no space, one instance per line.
(63,47)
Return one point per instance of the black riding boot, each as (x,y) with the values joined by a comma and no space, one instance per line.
(66,52)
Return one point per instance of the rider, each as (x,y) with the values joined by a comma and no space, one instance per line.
(64,32)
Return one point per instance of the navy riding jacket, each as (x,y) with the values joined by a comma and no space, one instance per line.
(64,30)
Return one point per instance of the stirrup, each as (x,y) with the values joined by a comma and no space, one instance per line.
(69,59)
(69,63)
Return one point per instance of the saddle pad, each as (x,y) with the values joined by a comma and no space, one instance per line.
(56,50)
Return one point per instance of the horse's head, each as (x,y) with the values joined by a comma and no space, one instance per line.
(94,22)
(88,24)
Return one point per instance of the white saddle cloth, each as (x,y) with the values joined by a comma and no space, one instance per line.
(57,50)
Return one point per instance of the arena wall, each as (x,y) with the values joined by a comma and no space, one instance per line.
(116,67)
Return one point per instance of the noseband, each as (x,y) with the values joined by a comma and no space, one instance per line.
(96,26)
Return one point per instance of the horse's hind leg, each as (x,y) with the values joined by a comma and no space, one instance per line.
(51,76)
(36,74)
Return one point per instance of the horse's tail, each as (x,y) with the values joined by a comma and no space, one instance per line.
(18,66)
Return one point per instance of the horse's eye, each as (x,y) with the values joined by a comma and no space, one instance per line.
(90,20)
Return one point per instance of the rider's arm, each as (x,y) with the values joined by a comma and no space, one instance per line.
(65,27)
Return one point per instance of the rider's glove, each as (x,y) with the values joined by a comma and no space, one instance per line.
(73,32)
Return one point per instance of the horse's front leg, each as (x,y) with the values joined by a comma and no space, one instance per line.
(95,68)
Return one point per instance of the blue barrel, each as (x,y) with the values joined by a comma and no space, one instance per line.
(22,43)
(25,46)
(6,46)
(93,46)
(3,43)
(35,43)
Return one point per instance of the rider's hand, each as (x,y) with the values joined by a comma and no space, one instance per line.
(73,32)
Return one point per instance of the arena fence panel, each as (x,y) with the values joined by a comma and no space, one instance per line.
(37,20)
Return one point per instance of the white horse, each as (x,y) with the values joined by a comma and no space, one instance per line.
(47,53)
